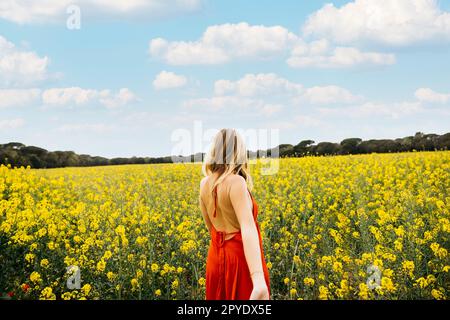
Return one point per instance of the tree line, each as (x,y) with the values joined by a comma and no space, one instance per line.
(17,154)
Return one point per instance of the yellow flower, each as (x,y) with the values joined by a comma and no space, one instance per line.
(133,220)
(134,284)
(47,294)
(431,279)
(408,267)
(120,230)
(35,277)
(51,245)
(101,265)
(438,295)
(141,241)
(422,282)
(86,289)
(337,267)
(107,255)
(202,281)
(29,257)
(363,291)
(155,267)
(398,245)
(308,282)
(323,293)
(44,263)
(387,284)
(111,276)
(66,296)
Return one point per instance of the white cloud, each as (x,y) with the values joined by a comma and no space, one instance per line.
(18,97)
(168,80)
(428,95)
(222,43)
(257,84)
(272,86)
(329,95)
(266,94)
(64,96)
(390,22)
(120,99)
(18,67)
(270,109)
(79,96)
(32,11)
(322,54)
(11,124)
(393,110)
(234,103)
(373,109)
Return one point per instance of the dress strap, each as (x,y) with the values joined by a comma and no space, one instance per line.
(215,201)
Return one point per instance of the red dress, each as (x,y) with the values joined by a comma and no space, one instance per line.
(227,273)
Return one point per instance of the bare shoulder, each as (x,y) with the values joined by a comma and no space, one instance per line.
(203,182)
(235,178)
(236,182)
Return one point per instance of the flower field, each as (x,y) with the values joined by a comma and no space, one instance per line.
(330,225)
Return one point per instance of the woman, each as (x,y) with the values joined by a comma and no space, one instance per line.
(235,267)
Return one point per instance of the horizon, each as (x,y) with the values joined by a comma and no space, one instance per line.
(119,81)
(203,152)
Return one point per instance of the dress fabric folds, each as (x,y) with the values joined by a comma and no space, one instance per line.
(227,272)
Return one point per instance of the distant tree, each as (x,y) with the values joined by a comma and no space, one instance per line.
(14,145)
(36,162)
(33,150)
(405,144)
(327,148)
(303,147)
(51,160)
(17,154)
(285,150)
(424,142)
(350,145)
(379,146)
(443,142)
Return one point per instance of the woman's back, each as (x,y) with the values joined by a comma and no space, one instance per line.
(235,266)
(225,218)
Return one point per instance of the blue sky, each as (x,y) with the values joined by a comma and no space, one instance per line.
(135,74)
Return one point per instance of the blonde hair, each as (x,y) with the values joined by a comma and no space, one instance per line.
(228,155)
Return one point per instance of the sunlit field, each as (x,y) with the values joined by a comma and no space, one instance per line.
(136,231)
